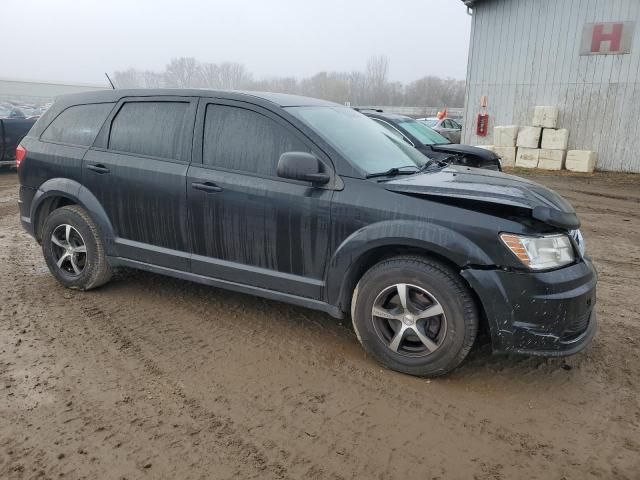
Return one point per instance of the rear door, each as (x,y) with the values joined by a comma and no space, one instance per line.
(248,225)
(136,169)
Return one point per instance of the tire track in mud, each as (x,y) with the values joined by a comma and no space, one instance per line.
(451,420)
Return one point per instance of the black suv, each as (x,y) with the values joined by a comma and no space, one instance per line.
(312,203)
(432,144)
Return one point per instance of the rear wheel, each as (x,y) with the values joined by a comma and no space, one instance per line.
(73,249)
(415,315)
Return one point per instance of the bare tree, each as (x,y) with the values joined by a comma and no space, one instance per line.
(371,87)
(129,78)
(150,79)
(183,72)
(377,73)
(233,75)
(210,74)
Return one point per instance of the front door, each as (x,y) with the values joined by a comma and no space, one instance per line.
(248,225)
(137,171)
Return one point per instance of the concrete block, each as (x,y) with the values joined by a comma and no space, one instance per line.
(505,135)
(527,157)
(551,159)
(581,161)
(546,117)
(486,147)
(507,155)
(555,139)
(529,137)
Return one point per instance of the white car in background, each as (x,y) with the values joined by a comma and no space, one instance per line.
(447,127)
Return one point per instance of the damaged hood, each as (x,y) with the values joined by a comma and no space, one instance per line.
(490,187)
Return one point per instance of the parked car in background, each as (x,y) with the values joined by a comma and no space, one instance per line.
(447,127)
(10,111)
(432,144)
(12,131)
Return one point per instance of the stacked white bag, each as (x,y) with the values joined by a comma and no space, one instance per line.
(504,144)
(540,145)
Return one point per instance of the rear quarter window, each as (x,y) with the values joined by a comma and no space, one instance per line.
(155,129)
(77,125)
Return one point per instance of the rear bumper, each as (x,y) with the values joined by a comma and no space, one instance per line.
(544,313)
(25,199)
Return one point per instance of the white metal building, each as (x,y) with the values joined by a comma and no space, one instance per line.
(582,56)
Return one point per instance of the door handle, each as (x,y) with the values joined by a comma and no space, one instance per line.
(206,187)
(98,168)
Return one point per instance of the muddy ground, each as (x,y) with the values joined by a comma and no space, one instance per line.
(160,378)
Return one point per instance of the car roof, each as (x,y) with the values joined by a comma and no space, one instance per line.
(279,99)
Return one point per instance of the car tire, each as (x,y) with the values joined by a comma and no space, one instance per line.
(73,249)
(414,315)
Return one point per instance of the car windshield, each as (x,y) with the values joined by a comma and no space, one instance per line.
(424,134)
(359,139)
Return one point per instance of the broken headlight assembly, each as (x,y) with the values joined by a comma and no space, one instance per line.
(540,253)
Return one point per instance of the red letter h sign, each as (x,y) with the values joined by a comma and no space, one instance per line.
(599,36)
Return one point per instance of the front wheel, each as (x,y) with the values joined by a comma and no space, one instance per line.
(414,315)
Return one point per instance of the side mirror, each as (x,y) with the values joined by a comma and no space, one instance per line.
(302,166)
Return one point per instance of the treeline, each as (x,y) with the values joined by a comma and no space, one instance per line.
(370,87)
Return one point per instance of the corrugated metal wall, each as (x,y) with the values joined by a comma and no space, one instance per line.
(526,52)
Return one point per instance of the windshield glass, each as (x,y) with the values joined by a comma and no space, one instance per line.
(430,122)
(359,139)
(424,134)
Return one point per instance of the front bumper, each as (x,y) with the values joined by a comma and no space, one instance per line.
(538,313)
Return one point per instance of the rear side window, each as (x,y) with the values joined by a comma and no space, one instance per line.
(78,125)
(239,139)
(155,129)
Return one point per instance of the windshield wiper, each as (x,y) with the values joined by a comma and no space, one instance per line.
(395,171)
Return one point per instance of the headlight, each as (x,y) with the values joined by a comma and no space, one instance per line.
(540,253)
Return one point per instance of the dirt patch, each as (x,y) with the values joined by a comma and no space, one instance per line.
(156,377)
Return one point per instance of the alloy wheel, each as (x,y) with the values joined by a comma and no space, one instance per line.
(409,320)
(69,250)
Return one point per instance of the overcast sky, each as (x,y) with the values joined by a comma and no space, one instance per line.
(79,40)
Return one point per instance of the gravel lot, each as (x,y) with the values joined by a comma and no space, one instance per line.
(160,378)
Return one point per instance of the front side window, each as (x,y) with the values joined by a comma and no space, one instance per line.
(360,140)
(239,139)
(155,129)
(78,125)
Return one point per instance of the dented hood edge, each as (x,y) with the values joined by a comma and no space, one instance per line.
(491,187)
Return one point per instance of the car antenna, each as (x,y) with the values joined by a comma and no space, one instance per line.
(110,82)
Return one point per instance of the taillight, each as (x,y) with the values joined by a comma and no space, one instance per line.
(21,152)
